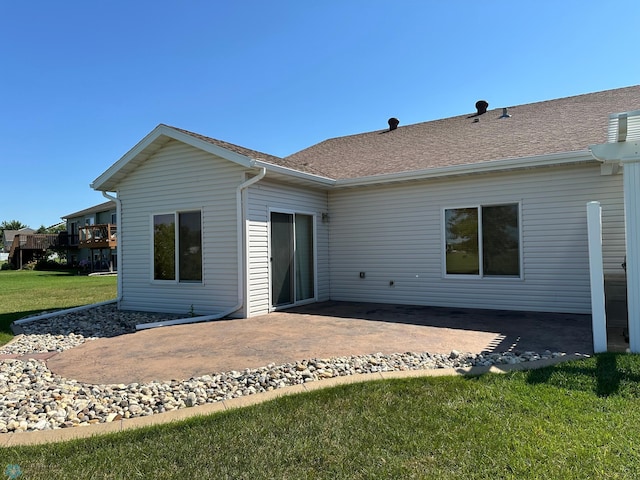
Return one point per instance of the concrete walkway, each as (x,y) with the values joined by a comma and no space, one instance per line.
(321,330)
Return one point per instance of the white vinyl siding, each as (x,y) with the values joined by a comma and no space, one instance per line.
(266,196)
(394,235)
(180,178)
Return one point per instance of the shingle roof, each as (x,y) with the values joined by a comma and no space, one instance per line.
(556,126)
(247,152)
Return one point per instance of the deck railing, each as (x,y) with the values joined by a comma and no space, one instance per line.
(98,236)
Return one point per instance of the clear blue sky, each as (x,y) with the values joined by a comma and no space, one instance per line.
(81,82)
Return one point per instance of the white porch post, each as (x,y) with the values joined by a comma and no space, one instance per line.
(624,148)
(632,221)
(598,312)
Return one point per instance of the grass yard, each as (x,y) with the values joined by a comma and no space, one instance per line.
(24,292)
(576,420)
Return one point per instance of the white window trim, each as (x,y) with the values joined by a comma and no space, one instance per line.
(175,281)
(481,275)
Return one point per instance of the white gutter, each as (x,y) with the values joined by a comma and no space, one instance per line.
(466,169)
(119,222)
(243,262)
(290,172)
(22,321)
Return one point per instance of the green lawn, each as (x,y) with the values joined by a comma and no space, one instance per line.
(24,292)
(576,420)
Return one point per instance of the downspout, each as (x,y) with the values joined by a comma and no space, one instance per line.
(119,222)
(243,261)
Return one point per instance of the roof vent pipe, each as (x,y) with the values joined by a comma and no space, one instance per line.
(481,106)
(393,123)
(505,113)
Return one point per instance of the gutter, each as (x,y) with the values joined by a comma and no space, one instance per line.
(467,169)
(22,321)
(243,262)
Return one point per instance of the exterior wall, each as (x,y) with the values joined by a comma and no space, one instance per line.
(396,233)
(263,197)
(180,177)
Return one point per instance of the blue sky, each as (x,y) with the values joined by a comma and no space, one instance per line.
(81,82)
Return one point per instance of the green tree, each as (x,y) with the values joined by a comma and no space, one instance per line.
(61,227)
(12,225)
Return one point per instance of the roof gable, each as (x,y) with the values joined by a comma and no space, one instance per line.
(155,140)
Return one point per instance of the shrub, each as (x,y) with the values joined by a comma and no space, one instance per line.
(45,264)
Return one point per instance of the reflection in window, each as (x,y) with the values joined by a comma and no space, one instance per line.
(500,240)
(499,251)
(190,245)
(164,237)
(188,238)
(462,241)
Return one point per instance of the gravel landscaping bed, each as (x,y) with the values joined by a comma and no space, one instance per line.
(33,398)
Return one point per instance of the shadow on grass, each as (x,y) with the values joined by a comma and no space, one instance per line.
(605,374)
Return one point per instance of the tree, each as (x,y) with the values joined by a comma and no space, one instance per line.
(61,227)
(12,225)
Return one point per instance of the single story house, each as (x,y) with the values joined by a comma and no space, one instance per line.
(483,210)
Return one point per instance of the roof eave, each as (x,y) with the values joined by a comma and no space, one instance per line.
(150,144)
(468,169)
(309,178)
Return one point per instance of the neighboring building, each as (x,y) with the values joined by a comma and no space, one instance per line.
(486,210)
(91,238)
(26,246)
(8,235)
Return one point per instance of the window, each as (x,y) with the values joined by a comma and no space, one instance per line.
(177,253)
(483,241)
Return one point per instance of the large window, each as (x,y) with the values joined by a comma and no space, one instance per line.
(483,241)
(177,252)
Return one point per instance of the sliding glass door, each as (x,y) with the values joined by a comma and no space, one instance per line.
(292,258)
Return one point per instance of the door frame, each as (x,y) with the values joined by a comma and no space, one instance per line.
(314,219)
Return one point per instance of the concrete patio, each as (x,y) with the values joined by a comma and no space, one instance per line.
(321,330)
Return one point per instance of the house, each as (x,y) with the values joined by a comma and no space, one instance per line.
(91,237)
(483,210)
(8,235)
(25,246)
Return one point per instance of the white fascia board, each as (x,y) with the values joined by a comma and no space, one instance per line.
(290,172)
(136,154)
(483,167)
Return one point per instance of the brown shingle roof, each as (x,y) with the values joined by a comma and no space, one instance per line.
(247,152)
(555,126)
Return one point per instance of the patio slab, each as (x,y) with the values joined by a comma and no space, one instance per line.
(321,330)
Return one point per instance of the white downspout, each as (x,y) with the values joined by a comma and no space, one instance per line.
(243,262)
(119,222)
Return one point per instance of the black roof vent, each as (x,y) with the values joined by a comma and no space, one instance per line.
(505,113)
(393,123)
(481,106)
